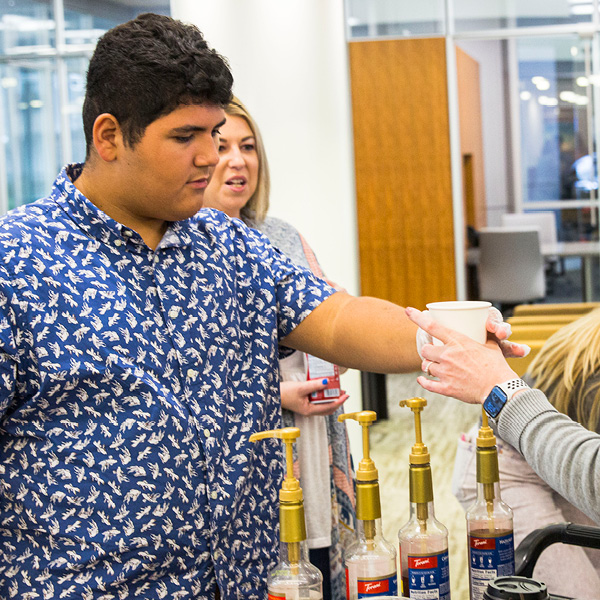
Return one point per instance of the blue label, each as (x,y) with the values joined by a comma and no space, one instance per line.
(429,576)
(489,557)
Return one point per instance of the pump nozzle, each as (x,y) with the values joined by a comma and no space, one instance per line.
(419,454)
(368,502)
(291,508)
(487,461)
(366,468)
(290,490)
(420,480)
(486,437)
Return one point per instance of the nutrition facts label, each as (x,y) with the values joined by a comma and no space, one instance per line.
(489,557)
(428,577)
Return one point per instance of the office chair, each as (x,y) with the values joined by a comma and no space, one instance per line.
(511,266)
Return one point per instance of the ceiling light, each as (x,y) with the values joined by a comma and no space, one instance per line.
(568,96)
(541,83)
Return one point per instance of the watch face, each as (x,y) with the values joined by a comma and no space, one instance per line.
(494,402)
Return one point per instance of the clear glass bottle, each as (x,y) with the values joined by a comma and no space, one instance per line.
(489,521)
(424,564)
(370,560)
(294,577)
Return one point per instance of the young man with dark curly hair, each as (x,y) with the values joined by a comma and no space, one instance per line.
(139,343)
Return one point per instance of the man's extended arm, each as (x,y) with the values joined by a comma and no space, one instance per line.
(361,333)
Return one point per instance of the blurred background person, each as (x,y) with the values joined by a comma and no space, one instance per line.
(239,186)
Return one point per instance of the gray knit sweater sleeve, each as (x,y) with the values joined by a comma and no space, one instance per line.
(562,452)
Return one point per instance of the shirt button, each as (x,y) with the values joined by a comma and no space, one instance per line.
(118,242)
(214,495)
(206,433)
(173,312)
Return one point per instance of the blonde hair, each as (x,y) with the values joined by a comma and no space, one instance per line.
(255,210)
(567,369)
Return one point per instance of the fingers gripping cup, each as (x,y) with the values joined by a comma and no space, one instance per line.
(467,317)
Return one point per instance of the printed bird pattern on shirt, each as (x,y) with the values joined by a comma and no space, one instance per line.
(130,382)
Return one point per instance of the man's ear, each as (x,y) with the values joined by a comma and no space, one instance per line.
(108,137)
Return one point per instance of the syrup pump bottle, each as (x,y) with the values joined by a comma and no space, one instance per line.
(370,559)
(294,577)
(489,520)
(424,564)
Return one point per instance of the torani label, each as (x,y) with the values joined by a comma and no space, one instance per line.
(490,556)
(428,577)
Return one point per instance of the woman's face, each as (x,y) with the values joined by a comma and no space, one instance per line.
(235,177)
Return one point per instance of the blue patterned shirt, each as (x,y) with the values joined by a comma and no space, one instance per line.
(130,382)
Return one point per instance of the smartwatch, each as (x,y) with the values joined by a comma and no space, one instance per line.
(500,395)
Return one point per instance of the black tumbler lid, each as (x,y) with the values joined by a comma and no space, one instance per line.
(516,588)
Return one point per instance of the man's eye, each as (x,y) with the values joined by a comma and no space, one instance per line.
(216,132)
(183,139)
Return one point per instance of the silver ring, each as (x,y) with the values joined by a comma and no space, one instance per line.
(426,369)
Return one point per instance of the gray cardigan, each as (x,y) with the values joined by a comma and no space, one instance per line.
(562,452)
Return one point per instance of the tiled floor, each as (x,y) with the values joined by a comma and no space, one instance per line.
(442,422)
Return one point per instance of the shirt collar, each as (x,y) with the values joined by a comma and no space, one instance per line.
(97,224)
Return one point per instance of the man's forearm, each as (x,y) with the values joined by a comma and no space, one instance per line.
(359,332)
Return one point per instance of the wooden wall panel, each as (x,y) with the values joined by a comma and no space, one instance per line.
(402,160)
(471,138)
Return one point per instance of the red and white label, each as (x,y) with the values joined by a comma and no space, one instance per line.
(422,562)
(321,369)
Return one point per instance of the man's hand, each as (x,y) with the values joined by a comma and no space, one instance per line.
(295,396)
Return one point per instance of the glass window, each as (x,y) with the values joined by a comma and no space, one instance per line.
(86,22)
(31,129)
(377,18)
(76,68)
(42,87)
(26,26)
(557,127)
(473,15)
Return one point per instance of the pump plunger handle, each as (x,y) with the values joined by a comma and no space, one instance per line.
(365,419)
(368,502)
(289,436)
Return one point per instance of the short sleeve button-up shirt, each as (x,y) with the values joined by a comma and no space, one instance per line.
(130,382)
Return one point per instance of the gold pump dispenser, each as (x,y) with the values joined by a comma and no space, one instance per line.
(294,578)
(370,560)
(489,519)
(487,461)
(423,540)
(368,502)
(420,481)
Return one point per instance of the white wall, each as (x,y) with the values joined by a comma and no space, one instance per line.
(289,62)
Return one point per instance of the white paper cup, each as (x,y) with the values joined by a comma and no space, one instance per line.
(467,317)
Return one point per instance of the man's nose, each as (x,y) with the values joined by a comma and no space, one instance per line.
(208,155)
